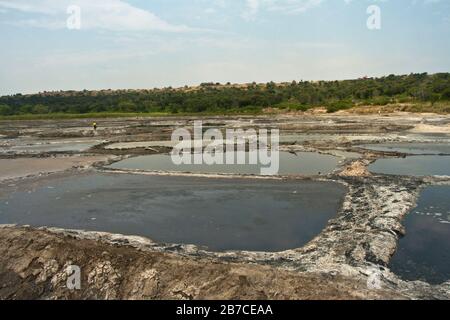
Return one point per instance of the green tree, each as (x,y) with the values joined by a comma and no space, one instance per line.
(446,94)
(40,109)
(5,110)
(26,108)
(127,106)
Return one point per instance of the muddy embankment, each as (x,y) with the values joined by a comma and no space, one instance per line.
(33,266)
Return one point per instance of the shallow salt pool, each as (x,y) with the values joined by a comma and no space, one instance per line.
(411,148)
(413,165)
(303,163)
(221,214)
(424,253)
(34,148)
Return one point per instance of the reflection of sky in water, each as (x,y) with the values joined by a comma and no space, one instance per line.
(441,213)
(223,214)
(424,253)
(298,163)
(413,165)
(411,148)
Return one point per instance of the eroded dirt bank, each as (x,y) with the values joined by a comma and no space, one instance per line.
(33,266)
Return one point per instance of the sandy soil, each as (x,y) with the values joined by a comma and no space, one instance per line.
(427,128)
(356,169)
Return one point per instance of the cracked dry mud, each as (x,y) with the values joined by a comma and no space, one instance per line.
(336,264)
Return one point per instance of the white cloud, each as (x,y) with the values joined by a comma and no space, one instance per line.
(112,15)
(283,6)
(297,6)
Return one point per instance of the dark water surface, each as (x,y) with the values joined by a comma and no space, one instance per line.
(413,165)
(424,253)
(222,214)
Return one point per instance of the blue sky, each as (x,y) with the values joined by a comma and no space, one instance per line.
(157,43)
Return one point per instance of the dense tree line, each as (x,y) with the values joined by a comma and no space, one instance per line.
(210,97)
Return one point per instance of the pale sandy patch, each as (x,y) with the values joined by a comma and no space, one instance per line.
(428,128)
(23,167)
(356,169)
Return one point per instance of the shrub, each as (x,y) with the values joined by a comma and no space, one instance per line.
(339,105)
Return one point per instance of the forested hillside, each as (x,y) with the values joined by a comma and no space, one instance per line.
(224,98)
